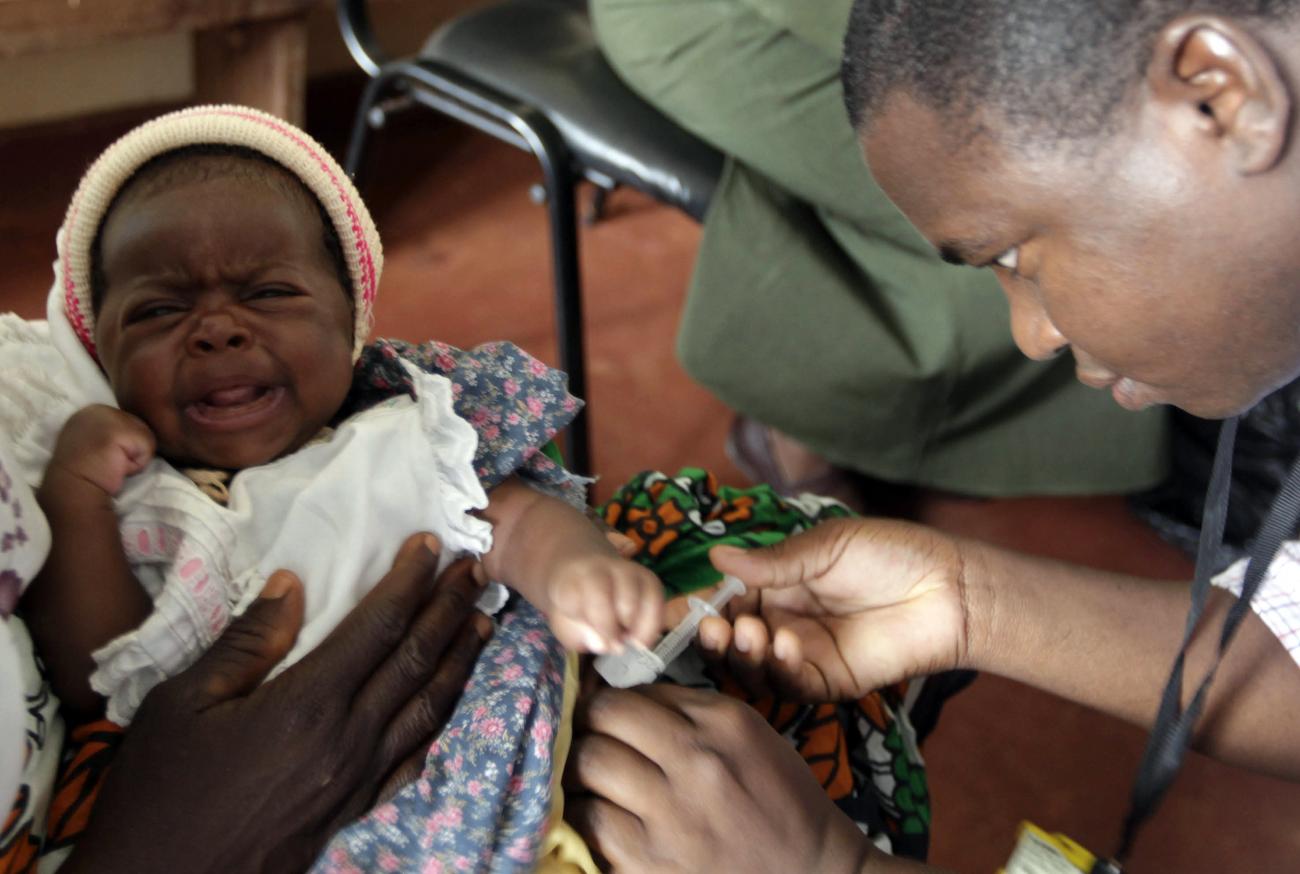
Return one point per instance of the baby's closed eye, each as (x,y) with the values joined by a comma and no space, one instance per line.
(273,291)
(154,310)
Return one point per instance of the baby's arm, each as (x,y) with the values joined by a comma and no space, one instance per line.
(86,594)
(566,567)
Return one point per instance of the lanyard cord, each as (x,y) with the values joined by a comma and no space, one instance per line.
(1171,734)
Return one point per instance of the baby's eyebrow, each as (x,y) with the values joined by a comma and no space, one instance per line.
(173,281)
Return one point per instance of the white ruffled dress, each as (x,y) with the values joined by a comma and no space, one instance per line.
(203,563)
(332,512)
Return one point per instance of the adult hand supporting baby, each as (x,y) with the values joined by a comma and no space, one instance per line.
(219,773)
(681,780)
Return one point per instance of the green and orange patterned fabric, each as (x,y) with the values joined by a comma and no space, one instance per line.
(863,752)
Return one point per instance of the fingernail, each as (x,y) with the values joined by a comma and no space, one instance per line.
(276,587)
(741,643)
(483,626)
(727,549)
(479,573)
(431,543)
(593,641)
(782,649)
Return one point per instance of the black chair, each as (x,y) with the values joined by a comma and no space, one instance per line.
(529,73)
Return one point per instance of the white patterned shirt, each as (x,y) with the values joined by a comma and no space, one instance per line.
(1278,600)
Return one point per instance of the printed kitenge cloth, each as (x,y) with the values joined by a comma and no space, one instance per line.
(484,799)
(863,752)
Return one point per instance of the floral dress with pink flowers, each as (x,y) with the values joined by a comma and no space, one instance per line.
(516,404)
(483,800)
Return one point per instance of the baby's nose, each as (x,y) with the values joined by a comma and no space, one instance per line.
(216,332)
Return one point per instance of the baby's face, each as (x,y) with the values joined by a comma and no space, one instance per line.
(223,324)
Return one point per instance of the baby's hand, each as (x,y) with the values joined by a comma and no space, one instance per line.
(599,601)
(101,446)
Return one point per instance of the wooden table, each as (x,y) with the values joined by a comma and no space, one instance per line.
(252,52)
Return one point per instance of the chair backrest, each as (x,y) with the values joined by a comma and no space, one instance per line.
(359,36)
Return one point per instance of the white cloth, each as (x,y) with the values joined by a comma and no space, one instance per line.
(334,512)
(31,732)
(13,719)
(1277,602)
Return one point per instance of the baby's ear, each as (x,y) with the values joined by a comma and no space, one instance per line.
(1215,82)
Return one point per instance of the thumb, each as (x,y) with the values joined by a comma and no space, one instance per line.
(254,643)
(137,444)
(623,545)
(138,455)
(794,561)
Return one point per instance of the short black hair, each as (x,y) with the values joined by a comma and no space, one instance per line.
(1050,69)
(198,163)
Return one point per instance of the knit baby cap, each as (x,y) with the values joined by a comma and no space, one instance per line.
(278,140)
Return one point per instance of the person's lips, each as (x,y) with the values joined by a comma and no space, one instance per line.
(1132,395)
(1128,393)
(1096,379)
(235,406)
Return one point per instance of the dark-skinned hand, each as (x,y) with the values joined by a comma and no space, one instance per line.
(667,779)
(219,773)
(849,606)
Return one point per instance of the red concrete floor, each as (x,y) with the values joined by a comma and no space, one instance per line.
(467,261)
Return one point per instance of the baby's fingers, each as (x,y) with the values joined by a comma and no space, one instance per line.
(623,545)
(568,616)
(585,604)
(136,442)
(577,635)
(600,612)
(639,602)
(139,452)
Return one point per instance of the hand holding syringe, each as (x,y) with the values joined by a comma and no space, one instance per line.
(636,665)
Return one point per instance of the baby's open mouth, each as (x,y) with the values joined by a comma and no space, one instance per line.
(236,406)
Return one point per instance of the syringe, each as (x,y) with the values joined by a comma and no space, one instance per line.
(636,665)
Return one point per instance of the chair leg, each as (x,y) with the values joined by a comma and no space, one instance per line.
(360,137)
(568,307)
(524,126)
(596,206)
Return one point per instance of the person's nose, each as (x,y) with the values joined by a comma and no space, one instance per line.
(1031,326)
(217,330)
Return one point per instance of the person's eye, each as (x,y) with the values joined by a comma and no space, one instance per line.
(155,310)
(270,292)
(1009,260)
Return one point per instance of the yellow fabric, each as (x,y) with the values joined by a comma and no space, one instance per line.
(562,851)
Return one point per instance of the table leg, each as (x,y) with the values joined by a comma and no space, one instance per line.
(260,64)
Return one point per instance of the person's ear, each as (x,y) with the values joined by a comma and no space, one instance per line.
(1222,83)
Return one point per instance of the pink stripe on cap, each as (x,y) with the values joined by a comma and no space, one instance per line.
(218,125)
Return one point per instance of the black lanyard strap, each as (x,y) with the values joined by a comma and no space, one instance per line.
(1171,734)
